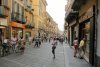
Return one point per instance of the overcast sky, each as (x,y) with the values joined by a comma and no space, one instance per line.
(56,8)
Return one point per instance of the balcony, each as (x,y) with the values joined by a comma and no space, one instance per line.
(71,17)
(29,8)
(4,11)
(18,17)
(23,20)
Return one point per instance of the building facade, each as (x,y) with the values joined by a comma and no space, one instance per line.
(51,27)
(66,30)
(18,19)
(4,19)
(81,24)
(29,28)
(98,34)
(39,16)
(21,18)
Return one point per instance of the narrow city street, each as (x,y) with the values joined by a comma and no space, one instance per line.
(42,57)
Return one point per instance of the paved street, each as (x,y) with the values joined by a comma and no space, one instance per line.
(42,57)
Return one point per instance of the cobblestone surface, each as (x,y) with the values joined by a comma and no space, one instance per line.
(42,57)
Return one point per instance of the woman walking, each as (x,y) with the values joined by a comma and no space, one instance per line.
(54,44)
(75,44)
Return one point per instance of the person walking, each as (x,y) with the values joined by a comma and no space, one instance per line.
(13,42)
(82,48)
(4,46)
(75,44)
(39,41)
(36,42)
(54,44)
(30,40)
(22,45)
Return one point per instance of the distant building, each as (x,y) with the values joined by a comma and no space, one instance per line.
(51,27)
(4,19)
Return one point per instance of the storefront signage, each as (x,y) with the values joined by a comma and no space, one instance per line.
(15,24)
(3,21)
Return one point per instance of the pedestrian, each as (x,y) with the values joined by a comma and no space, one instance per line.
(66,39)
(22,45)
(30,40)
(13,42)
(4,46)
(54,44)
(75,44)
(33,40)
(82,48)
(39,41)
(36,42)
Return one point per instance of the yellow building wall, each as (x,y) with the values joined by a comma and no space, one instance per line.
(38,18)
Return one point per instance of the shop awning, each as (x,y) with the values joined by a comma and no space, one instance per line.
(71,17)
(77,4)
(15,24)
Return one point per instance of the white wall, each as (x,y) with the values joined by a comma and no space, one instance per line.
(98,31)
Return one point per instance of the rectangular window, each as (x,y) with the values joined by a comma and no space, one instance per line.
(15,6)
(20,11)
(5,2)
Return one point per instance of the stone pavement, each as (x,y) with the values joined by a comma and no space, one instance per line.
(73,61)
(42,57)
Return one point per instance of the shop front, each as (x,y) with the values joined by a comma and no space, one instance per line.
(86,30)
(17,29)
(3,31)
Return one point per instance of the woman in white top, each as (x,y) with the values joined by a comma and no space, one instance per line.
(13,43)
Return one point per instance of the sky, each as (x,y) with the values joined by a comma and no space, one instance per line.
(56,8)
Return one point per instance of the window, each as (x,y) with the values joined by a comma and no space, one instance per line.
(5,2)
(15,6)
(20,10)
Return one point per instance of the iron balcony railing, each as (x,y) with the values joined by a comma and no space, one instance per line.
(29,8)
(16,16)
